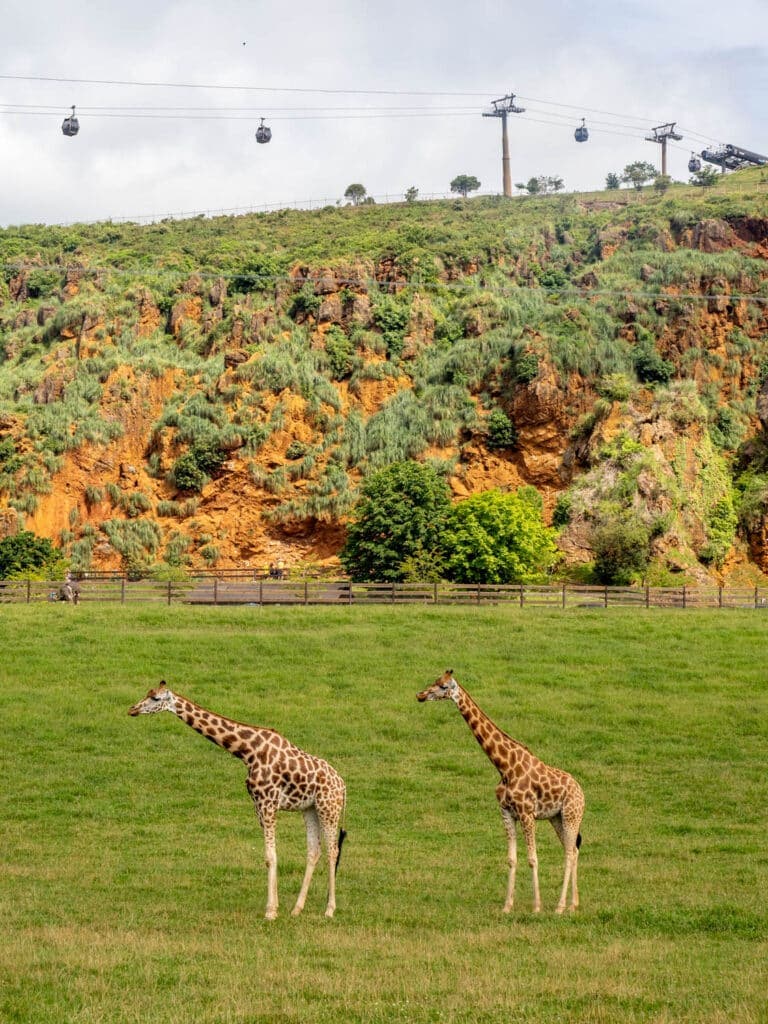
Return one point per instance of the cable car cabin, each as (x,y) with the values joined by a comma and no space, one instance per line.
(70,125)
(694,164)
(581,134)
(263,133)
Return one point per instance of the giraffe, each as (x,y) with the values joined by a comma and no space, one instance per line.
(281,777)
(529,790)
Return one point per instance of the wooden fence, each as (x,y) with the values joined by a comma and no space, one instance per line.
(212,590)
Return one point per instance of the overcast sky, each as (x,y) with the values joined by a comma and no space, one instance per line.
(625,66)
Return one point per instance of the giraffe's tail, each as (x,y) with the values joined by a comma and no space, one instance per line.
(578,841)
(342,837)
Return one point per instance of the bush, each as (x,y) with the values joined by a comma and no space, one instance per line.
(186,474)
(650,367)
(501,430)
(26,555)
(526,367)
(622,550)
(340,352)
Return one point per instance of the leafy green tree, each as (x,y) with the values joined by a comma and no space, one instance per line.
(662,183)
(27,555)
(355,193)
(612,181)
(638,173)
(398,519)
(463,184)
(411,194)
(706,177)
(495,537)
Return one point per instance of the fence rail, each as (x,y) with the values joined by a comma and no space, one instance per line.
(214,590)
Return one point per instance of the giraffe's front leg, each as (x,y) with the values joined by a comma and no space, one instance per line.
(510,829)
(267,819)
(528,823)
(313,856)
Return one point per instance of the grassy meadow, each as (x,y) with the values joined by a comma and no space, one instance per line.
(132,882)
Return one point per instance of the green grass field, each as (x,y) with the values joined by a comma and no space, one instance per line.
(132,882)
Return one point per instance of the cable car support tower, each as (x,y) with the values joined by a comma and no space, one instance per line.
(660,135)
(502,107)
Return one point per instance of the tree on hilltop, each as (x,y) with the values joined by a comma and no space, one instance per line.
(356,193)
(705,177)
(638,173)
(541,185)
(612,181)
(464,184)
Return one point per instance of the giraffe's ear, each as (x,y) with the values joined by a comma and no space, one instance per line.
(449,672)
(163,685)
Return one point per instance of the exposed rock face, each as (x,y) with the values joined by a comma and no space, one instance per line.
(555,450)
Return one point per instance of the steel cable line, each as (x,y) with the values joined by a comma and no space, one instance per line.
(644,122)
(237,88)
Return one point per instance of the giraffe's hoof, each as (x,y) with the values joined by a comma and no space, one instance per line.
(296,911)
(270,915)
(329,912)
(507,908)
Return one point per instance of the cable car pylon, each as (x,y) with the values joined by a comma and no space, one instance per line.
(502,107)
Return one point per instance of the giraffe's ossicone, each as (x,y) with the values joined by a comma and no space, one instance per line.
(281,777)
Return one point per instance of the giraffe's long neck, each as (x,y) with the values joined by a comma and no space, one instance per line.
(499,747)
(240,740)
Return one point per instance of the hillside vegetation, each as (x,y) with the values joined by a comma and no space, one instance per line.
(211,392)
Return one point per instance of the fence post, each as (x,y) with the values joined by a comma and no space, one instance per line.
(349,591)
(522,595)
(720,596)
(684,596)
(435,595)
(564,595)
(306,591)
(392,601)
(605,596)
(261,593)
(29,590)
(122,590)
(215,589)
(647,596)
(478,593)
(756,598)
(169,592)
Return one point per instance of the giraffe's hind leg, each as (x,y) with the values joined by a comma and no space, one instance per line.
(312,823)
(568,834)
(329,813)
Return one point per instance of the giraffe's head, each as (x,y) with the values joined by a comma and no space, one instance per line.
(159,699)
(444,688)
